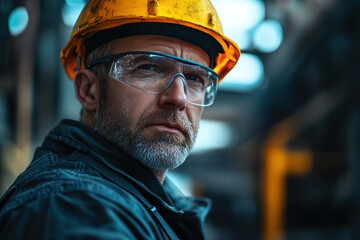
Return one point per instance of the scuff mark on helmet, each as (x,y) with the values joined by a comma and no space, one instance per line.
(153,7)
(210,21)
(95,6)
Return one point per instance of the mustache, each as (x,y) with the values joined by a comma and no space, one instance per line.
(171,116)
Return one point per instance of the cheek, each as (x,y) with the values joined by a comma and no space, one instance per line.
(194,114)
(131,103)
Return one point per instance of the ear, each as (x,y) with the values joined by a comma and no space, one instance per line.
(87,89)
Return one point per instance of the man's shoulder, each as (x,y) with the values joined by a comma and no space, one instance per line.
(85,209)
(72,195)
(64,178)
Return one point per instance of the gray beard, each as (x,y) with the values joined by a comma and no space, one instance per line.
(165,151)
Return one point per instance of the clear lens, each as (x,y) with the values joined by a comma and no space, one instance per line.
(154,73)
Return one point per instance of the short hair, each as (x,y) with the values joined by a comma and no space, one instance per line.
(100,70)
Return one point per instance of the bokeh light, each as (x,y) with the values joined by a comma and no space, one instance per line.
(246,75)
(212,135)
(18,21)
(268,36)
(71,11)
(238,17)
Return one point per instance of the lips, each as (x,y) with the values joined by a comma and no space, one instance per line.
(167,127)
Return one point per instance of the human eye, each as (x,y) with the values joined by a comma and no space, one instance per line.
(193,77)
(197,80)
(147,67)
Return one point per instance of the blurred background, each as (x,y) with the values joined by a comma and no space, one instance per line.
(279,151)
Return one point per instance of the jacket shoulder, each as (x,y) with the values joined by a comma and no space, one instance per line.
(72,201)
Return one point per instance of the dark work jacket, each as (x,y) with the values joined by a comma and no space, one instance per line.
(79,186)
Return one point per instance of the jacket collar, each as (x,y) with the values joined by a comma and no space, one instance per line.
(70,135)
(75,135)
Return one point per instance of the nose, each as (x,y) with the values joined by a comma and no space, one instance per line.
(174,96)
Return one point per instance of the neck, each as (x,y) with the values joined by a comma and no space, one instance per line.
(87,118)
(160,175)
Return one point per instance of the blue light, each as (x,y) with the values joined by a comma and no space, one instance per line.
(71,11)
(18,21)
(245,76)
(268,36)
(212,135)
(238,17)
(75,2)
(182,181)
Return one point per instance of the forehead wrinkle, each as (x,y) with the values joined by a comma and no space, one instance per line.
(186,52)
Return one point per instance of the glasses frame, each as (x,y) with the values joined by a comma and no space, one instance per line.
(114,57)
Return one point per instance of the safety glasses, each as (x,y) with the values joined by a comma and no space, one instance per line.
(154,72)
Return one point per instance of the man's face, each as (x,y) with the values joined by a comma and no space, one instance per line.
(157,129)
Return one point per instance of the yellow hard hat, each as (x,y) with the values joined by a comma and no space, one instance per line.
(194,21)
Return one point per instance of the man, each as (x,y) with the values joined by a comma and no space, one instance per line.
(143,71)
